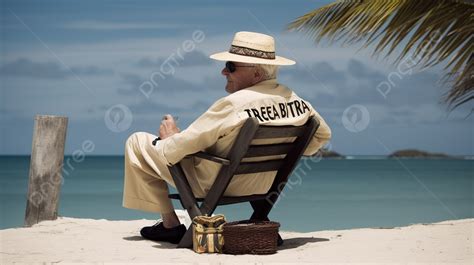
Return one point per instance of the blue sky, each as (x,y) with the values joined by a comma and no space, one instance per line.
(102,64)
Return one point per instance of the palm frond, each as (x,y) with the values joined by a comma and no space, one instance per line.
(430,31)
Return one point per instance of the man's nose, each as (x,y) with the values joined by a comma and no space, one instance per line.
(225,71)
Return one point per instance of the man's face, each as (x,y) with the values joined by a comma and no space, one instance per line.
(244,76)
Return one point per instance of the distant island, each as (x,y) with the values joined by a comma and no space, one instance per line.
(417,154)
(328,154)
(404,153)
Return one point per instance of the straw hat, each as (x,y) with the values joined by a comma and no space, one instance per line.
(252,47)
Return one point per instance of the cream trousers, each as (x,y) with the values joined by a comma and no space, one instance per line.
(146,177)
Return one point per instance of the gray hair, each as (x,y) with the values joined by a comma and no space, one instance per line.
(269,71)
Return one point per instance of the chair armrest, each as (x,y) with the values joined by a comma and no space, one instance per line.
(212,158)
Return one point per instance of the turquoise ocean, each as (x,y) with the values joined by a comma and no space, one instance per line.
(322,195)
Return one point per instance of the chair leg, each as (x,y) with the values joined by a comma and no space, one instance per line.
(261,209)
(193,211)
(187,200)
(187,240)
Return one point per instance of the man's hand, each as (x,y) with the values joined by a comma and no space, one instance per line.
(168,127)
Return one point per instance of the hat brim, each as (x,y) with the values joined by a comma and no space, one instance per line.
(227,56)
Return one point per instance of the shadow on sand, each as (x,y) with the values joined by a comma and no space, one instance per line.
(295,242)
(134,238)
(160,244)
(289,243)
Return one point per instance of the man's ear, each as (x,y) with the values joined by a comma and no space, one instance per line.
(258,76)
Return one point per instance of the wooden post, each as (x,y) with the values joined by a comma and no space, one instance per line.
(46,163)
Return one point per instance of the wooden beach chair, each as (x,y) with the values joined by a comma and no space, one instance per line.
(233,165)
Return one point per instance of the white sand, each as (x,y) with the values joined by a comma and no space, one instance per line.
(72,240)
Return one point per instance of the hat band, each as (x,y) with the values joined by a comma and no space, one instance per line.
(251,52)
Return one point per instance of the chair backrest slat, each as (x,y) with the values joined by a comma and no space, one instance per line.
(254,167)
(268,132)
(269,149)
(243,148)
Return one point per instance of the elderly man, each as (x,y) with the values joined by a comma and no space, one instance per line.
(250,69)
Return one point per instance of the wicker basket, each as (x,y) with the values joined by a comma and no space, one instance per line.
(250,237)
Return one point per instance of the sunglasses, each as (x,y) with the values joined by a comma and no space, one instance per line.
(231,67)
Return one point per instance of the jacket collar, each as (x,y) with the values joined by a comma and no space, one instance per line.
(271,86)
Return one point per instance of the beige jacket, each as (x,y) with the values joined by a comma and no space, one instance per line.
(215,130)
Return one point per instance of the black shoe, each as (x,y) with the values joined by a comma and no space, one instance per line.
(158,232)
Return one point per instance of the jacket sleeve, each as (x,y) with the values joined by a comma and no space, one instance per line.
(321,137)
(216,122)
